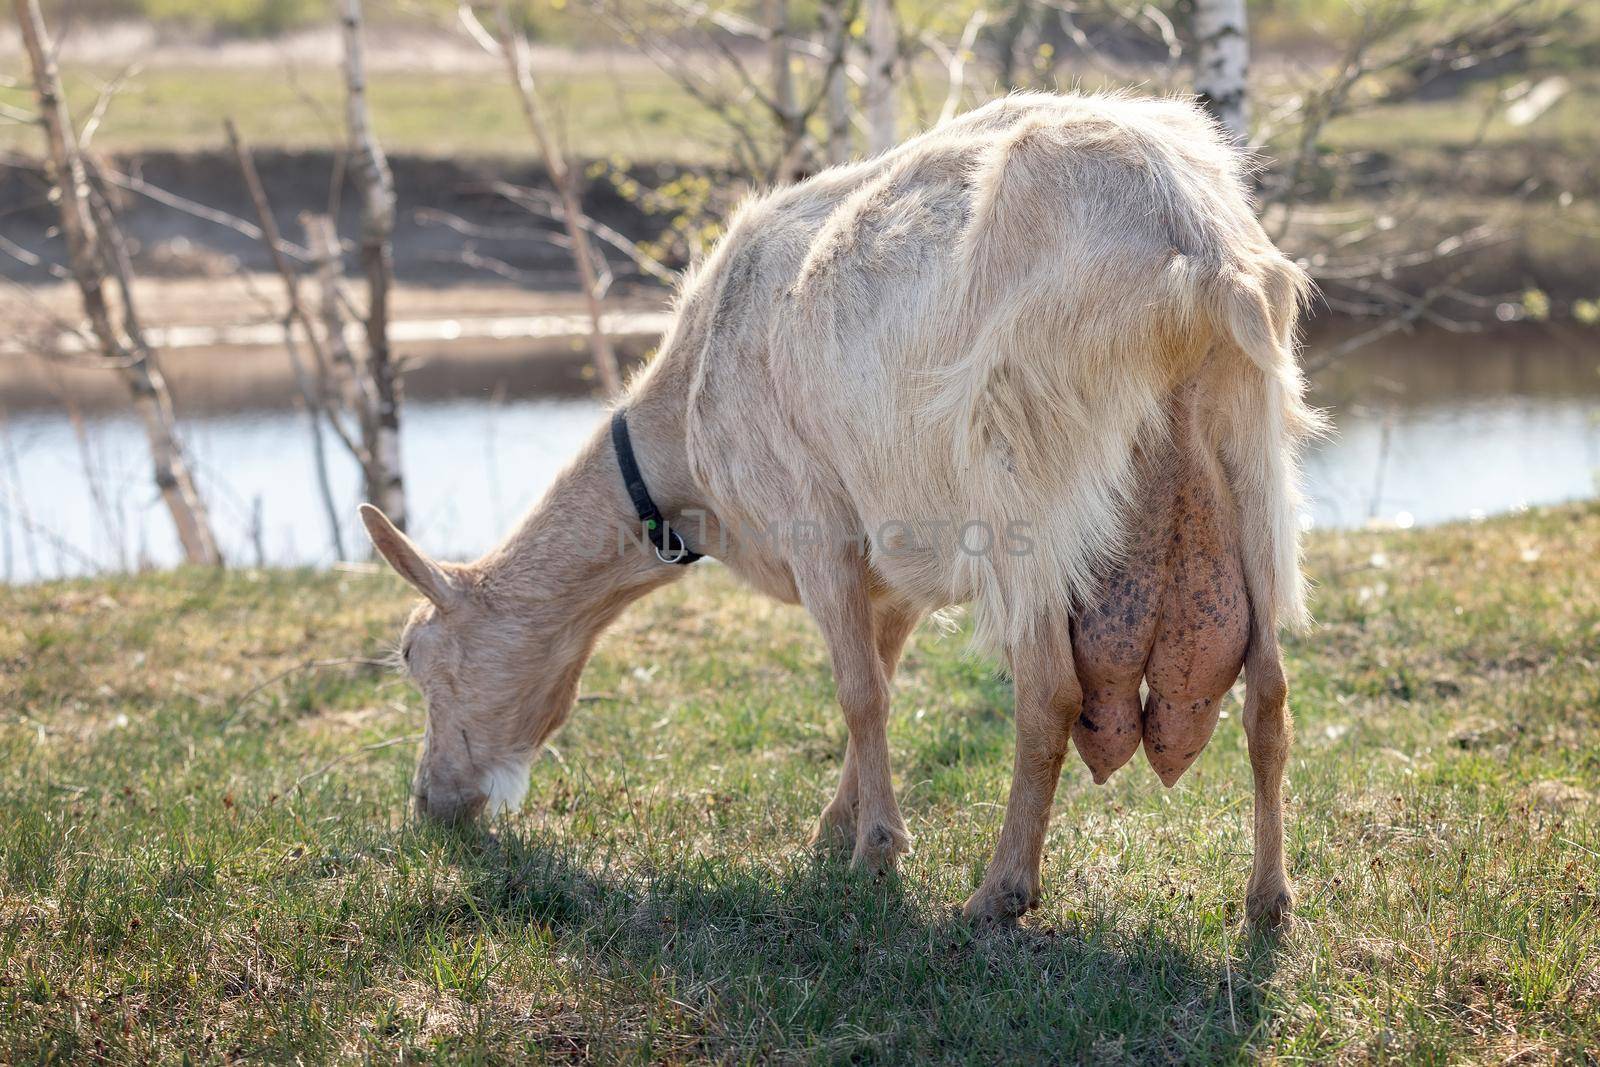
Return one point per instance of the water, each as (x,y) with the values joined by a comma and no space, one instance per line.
(472,467)
(1427,429)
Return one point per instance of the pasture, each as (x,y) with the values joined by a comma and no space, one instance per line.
(204,851)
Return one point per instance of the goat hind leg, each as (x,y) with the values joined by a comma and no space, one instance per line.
(1267,728)
(1048,700)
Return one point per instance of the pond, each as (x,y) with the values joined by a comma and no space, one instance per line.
(1428,428)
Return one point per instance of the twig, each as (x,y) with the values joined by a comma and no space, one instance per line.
(1414,311)
(514,51)
(315,394)
(200,211)
(16,503)
(102,103)
(309,665)
(56,541)
(957,66)
(525,198)
(409,739)
(93,482)
(28,259)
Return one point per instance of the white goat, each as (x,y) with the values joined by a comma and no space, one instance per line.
(914,381)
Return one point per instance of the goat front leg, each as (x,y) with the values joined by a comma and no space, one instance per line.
(1048,700)
(1267,730)
(836,826)
(836,594)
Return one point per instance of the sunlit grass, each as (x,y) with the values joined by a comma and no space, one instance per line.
(194,863)
(613,106)
(632,111)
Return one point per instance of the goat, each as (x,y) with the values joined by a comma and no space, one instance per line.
(1031,326)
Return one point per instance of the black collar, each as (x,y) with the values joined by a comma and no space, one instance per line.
(670,547)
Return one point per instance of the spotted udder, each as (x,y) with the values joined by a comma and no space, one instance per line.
(1175,613)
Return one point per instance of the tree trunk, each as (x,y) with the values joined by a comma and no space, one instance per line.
(1222,63)
(370,168)
(881,101)
(91,254)
(790,124)
(836,30)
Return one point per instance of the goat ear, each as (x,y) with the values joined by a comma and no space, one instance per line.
(409,561)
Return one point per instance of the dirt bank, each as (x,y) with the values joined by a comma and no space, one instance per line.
(428,246)
(450,363)
(1545,211)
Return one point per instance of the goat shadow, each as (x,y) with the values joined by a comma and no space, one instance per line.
(817,962)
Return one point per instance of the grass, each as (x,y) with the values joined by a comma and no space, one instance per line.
(614,107)
(204,854)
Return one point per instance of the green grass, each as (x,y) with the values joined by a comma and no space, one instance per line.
(630,110)
(204,857)
(636,112)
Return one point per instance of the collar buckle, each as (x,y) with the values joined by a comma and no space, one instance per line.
(669,544)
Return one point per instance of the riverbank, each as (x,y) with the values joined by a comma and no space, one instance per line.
(1463,187)
(222,351)
(203,853)
(1460,215)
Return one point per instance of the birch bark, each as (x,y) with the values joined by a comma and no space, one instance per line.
(92,255)
(370,169)
(880,98)
(1222,63)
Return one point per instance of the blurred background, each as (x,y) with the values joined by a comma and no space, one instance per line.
(261,259)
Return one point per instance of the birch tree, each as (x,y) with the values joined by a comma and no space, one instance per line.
(879,96)
(791,123)
(1222,63)
(98,257)
(375,186)
(836,29)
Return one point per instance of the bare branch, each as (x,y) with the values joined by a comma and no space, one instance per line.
(956,66)
(514,50)
(27,258)
(102,103)
(527,199)
(314,393)
(200,211)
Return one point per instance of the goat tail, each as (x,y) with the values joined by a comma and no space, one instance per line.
(1263,422)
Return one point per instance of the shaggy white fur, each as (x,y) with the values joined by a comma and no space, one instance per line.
(977,328)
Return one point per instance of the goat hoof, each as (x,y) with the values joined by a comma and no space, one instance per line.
(835,832)
(999,908)
(1268,912)
(878,849)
